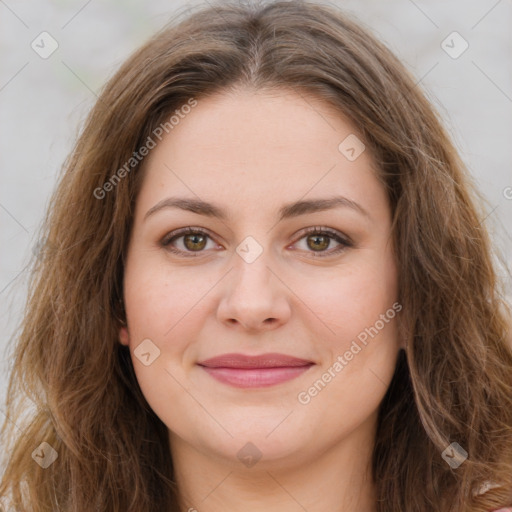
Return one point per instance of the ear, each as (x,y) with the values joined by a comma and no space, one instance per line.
(124,336)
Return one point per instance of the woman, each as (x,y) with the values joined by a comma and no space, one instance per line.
(265,285)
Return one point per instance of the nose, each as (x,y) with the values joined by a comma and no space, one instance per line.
(254,297)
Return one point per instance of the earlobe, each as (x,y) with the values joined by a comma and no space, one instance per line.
(124,336)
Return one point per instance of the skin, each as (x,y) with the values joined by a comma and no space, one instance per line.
(251,152)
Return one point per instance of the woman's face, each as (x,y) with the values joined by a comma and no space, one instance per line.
(254,171)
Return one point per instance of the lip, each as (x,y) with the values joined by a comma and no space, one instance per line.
(243,361)
(244,371)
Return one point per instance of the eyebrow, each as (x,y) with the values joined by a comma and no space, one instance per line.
(286,212)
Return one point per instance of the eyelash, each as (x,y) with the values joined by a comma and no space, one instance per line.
(316,230)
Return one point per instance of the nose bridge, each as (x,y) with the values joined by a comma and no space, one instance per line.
(251,273)
(253,296)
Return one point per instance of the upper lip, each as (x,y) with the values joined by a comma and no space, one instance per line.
(261,361)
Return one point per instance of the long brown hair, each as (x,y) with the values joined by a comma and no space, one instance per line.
(453,383)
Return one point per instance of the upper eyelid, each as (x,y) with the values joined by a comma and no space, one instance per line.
(333,233)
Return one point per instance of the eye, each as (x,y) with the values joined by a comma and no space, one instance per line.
(318,239)
(195,241)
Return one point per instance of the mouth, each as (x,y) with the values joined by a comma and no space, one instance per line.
(243,371)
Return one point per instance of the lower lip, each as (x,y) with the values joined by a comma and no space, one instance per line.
(255,377)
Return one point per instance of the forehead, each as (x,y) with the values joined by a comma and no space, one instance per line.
(250,123)
(247,148)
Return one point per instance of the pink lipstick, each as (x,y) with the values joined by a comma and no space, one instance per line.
(245,371)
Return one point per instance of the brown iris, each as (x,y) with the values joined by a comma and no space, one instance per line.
(320,242)
(195,241)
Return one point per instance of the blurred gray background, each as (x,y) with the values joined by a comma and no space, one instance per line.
(44,100)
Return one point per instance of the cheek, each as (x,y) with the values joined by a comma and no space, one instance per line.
(159,308)
(359,339)
(158,301)
(352,299)
(358,363)
(167,308)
